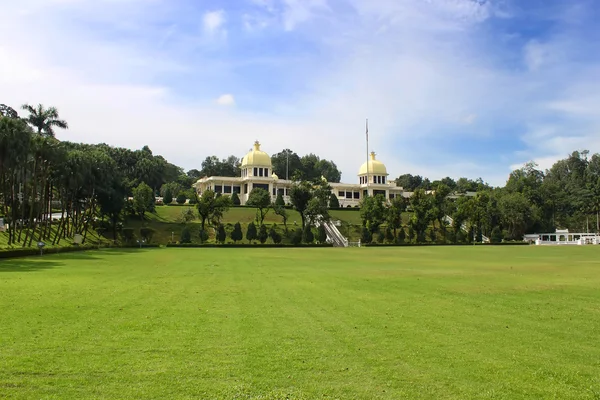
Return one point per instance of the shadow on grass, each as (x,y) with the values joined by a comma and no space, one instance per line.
(27,265)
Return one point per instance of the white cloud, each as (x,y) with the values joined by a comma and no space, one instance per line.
(213,21)
(226,100)
(419,70)
(534,54)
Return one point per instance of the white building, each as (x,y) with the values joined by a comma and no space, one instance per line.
(257,172)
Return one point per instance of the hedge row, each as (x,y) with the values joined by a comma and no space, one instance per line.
(247,245)
(444,244)
(28,252)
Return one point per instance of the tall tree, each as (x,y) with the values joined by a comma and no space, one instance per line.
(44,119)
(261,199)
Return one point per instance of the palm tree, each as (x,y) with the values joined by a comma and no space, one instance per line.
(44,119)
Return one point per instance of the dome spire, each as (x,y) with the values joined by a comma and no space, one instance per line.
(372,155)
(256,145)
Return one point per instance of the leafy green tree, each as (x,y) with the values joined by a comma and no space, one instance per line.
(221,234)
(420,204)
(393,213)
(251,233)
(307,234)
(143,199)
(282,212)
(187,215)
(181,198)
(236,234)
(235,199)
(321,234)
(333,201)
(212,207)
(263,234)
(373,212)
(300,196)
(168,197)
(261,199)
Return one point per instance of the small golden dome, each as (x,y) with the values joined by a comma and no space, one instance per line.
(375,167)
(274,176)
(256,157)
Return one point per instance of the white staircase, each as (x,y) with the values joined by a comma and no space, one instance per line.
(333,234)
(464,227)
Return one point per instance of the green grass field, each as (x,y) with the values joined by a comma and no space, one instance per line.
(360,323)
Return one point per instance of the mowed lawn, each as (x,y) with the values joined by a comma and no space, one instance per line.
(359,323)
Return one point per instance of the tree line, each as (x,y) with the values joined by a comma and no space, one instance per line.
(79,184)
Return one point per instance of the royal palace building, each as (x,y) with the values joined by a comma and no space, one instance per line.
(257,172)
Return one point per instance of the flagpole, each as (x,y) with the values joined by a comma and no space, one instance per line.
(367,134)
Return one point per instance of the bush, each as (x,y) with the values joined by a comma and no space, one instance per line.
(237,234)
(221,234)
(186,236)
(321,234)
(333,201)
(279,200)
(128,235)
(297,237)
(307,235)
(193,200)
(380,237)
(168,197)
(203,235)
(496,235)
(274,235)
(400,239)
(181,198)
(366,236)
(389,235)
(263,235)
(251,233)
(235,199)
(147,234)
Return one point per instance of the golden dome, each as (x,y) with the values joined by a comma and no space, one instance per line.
(375,167)
(256,157)
(274,176)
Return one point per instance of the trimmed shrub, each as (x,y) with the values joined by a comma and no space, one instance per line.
(203,235)
(235,199)
(186,236)
(297,237)
(263,235)
(321,234)
(365,235)
(274,235)
(181,198)
(307,234)
(251,233)
(279,200)
(496,235)
(333,201)
(147,234)
(128,235)
(221,234)
(168,197)
(236,234)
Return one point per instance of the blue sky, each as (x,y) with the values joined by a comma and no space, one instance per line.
(450,87)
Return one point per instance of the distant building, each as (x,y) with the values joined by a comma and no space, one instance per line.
(257,172)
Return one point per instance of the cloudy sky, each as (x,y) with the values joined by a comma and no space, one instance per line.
(451,87)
